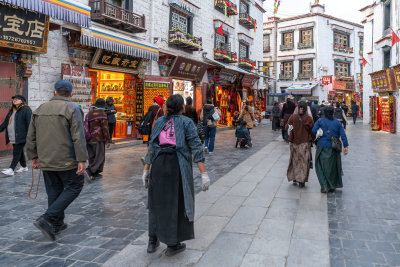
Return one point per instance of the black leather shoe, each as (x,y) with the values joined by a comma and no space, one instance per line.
(45,227)
(59,228)
(323,190)
(152,246)
(301,185)
(172,250)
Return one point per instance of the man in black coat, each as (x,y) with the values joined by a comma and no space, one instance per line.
(315,111)
(16,125)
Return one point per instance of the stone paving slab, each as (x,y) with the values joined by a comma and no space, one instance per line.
(250,218)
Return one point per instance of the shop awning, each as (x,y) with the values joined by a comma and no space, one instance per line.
(277,94)
(229,67)
(108,40)
(186,5)
(67,10)
(301,89)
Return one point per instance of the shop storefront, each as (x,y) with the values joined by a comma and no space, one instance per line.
(301,90)
(343,92)
(383,105)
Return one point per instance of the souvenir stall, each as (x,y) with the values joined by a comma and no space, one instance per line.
(344,90)
(183,88)
(383,106)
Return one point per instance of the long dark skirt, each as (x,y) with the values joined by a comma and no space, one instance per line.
(328,166)
(299,163)
(167,219)
(276,123)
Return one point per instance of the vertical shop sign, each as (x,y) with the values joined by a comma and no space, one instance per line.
(396,73)
(22,29)
(139,101)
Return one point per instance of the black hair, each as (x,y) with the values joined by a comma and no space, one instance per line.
(189,101)
(174,105)
(276,103)
(246,108)
(209,101)
(338,104)
(243,123)
(302,105)
(328,110)
(63,92)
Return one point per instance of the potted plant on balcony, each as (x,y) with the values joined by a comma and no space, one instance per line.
(227,6)
(181,38)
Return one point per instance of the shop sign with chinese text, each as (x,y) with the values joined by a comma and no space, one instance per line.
(383,81)
(22,29)
(249,80)
(227,77)
(326,80)
(187,69)
(339,85)
(157,85)
(104,59)
(396,73)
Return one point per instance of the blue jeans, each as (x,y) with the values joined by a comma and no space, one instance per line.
(210,135)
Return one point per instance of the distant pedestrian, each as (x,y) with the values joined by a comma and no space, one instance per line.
(235,119)
(210,124)
(354,110)
(154,112)
(111,111)
(190,111)
(339,115)
(275,114)
(242,135)
(16,125)
(328,162)
(300,137)
(345,108)
(247,114)
(315,111)
(173,143)
(287,111)
(56,144)
(99,138)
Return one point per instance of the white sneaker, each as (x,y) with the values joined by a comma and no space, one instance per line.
(9,172)
(22,169)
(206,149)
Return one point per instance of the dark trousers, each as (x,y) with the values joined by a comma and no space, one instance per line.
(111,129)
(210,138)
(62,187)
(344,124)
(97,157)
(354,118)
(18,156)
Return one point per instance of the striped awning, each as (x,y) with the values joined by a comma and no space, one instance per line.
(67,10)
(300,89)
(108,40)
(186,5)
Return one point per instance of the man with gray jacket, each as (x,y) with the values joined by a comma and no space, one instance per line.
(56,144)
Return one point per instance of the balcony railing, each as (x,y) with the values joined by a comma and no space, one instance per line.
(286,47)
(305,45)
(286,77)
(246,63)
(304,76)
(226,7)
(347,50)
(223,53)
(116,16)
(184,40)
(267,49)
(247,21)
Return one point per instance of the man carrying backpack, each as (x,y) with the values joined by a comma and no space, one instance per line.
(98,138)
(340,115)
(209,116)
(154,112)
(56,144)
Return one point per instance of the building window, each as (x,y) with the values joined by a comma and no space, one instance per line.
(288,39)
(266,42)
(220,41)
(306,37)
(306,68)
(179,21)
(341,40)
(386,59)
(243,7)
(387,18)
(342,69)
(287,70)
(361,45)
(243,51)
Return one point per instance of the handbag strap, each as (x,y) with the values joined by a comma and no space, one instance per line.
(327,128)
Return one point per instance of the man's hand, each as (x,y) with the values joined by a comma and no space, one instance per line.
(346,150)
(35,164)
(108,145)
(81,167)
(113,111)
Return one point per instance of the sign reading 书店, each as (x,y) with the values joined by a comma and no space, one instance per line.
(22,29)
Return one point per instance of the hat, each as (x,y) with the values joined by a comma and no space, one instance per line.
(159,100)
(100,103)
(65,84)
(303,99)
(290,97)
(19,97)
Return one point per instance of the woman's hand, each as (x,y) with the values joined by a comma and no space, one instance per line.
(145,178)
(346,150)
(205,181)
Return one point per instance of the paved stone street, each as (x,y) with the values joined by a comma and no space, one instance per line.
(108,215)
(251,216)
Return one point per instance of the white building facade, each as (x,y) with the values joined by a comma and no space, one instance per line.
(383,65)
(316,45)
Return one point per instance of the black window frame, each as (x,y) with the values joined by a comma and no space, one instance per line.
(247,7)
(226,35)
(343,33)
(189,18)
(301,66)
(306,29)
(387,58)
(346,62)
(247,50)
(387,16)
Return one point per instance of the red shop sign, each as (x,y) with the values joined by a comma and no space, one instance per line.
(326,80)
